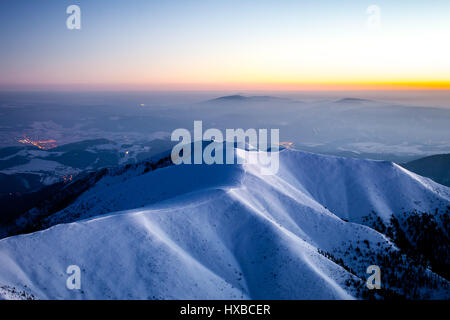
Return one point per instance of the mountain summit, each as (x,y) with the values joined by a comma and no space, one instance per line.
(239,98)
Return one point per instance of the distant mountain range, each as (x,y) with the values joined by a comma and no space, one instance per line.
(241,98)
(347,126)
(157,231)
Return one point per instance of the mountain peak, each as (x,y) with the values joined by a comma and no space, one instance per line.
(236,97)
(239,98)
(352,100)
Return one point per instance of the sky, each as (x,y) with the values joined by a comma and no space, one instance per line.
(217,45)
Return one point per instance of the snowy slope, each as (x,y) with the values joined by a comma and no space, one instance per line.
(226,232)
(352,188)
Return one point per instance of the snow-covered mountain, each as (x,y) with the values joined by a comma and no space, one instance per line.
(229,232)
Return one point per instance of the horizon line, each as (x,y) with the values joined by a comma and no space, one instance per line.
(280,86)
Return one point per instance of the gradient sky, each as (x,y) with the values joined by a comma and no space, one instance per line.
(261,44)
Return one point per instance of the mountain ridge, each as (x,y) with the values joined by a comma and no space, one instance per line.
(228,232)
